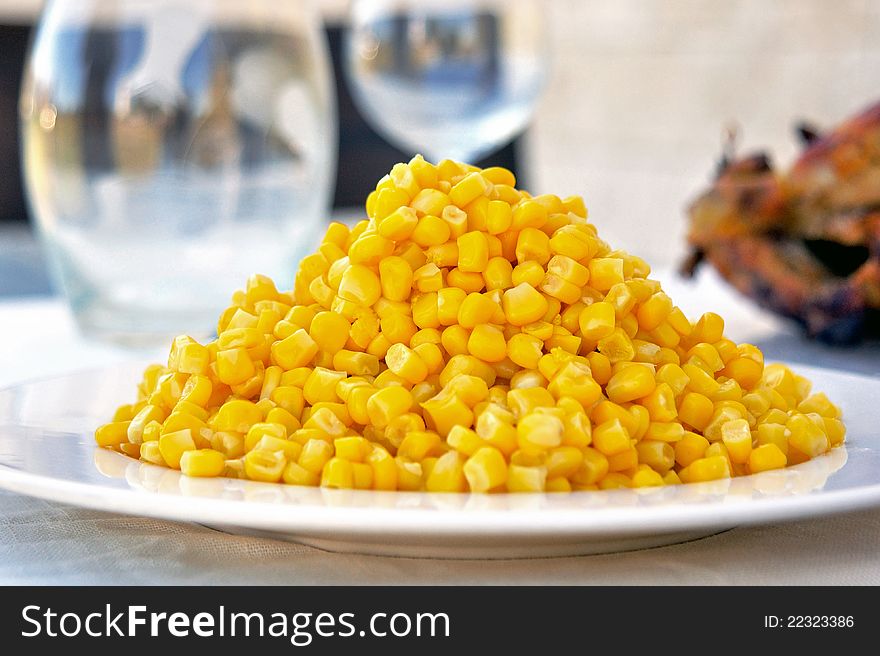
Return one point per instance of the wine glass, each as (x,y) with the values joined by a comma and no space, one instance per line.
(171,149)
(449,78)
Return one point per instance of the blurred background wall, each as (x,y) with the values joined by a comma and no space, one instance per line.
(633,115)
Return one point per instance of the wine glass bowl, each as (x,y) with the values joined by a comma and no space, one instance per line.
(170,150)
(449,79)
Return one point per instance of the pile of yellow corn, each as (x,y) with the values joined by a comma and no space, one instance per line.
(469,336)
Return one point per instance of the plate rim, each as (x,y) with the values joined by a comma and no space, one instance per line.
(375,520)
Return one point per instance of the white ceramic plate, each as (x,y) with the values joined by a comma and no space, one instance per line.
(47,450)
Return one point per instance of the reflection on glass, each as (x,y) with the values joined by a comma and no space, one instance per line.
(173,148)
(449,79)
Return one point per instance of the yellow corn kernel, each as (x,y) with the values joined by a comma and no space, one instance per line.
(337,233)
(605,272)
(600,367)
(390,379)
(737,437)
(495,426)
(447,474)
(418,445)
(387,403)
(368,250)
(135,429)
(395,278)
(709,328)
(406,363)
(806,435)
(468,281)
(569,270)
(314,455)
(498,274)
(409,474)
(835,430)
(355,363)
(469,188)
(150,452)
(476,309)
(647,477)
(192,358)
(297,350)
(696,410)
(487,343)
(449,302)
(557,485)
(352,448)
(425,173)
(499,217)
(431,355)
(338,473)
(296,474)
(431,231)
(386,201)
(528,272)
(766,457)
(700,381)
(428,278)
(263,429)
(654,311)
(398,328)
(661,403)
(563,461)
(773,433)
(556,287)
(464,440)
(532,245)
(689,448)
(659,456)
(526,478)
(593,469)
(664,431)
(360,285)
(443,412)
(574,379)
(289,448)
(289,398)
(819,404)
(234,366)
(116,433)
(626,461)
(630,383)
(613,481)
(172,446)
(617,346)
(473,252)
(528,214)
(525,350)
(536,432)
(384,469)
(705,469)
(611,438)
(329,331)
(454,340)
(153,431)
(424,311)
(523,305)
(485,469)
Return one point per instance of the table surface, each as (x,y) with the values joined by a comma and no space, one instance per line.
(52,543)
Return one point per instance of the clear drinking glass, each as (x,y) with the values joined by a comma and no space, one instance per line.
(172,148)
(449,78)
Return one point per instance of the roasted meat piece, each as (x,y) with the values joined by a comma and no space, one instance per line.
(806,243)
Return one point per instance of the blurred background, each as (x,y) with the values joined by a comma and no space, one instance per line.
(632,113)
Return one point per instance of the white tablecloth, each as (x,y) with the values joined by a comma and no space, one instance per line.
(46,543)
